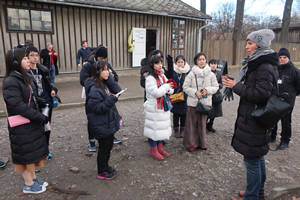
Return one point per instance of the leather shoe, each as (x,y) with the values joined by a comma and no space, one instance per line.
(191,149)
(283,146)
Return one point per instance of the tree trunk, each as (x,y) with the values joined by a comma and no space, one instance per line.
(286,21)
(203,9)
(238,25)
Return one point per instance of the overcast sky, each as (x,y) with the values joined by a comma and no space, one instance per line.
(252,7)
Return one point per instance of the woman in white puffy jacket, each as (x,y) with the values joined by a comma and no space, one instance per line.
(157,122)
(195,127)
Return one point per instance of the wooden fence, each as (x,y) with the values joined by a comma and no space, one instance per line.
(223,50)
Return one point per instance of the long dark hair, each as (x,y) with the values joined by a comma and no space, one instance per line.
(98,67)
(155,52)
(150,66)
(14,59)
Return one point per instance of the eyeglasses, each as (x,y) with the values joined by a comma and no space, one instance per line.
(34,55)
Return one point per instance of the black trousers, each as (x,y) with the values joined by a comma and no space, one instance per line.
(286,128)
(176,118)
(105,146)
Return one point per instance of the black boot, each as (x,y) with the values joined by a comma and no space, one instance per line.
(181,131)
(176,132)
(210,128)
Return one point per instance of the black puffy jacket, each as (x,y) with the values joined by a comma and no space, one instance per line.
(28,141)
(103,119)
(250,137)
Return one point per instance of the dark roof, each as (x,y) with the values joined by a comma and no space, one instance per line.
(290,28)
(174,8)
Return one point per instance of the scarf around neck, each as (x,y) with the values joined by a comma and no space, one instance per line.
(259,52)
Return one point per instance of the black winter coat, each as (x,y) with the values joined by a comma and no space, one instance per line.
(179,107)
(249,137)
(103,119)
(28,141)
(87,72)
(289,81)
(47,60)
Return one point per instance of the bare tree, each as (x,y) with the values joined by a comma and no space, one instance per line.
(203,9)
(222,22)
(286,21)
(238,25)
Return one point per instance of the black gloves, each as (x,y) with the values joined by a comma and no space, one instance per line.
(46,120)
(169,58)
(41,101)
(227,94)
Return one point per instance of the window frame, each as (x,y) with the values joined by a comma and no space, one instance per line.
(178,33)
(9,30)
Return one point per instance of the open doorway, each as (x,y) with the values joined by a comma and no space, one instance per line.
(151,40)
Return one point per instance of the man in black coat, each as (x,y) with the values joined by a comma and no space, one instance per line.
(289,82)
(50,60)
(41,76)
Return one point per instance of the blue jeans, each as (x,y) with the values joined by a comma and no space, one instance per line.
(256,177)
(154,143)
(52,74)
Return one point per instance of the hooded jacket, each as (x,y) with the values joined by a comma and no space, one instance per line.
(249,137)
(206,79)
(103,119)
(27,141)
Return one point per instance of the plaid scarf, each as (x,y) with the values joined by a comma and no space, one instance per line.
(160,103)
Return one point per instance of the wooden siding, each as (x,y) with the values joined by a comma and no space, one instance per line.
(110,28)
(223,49)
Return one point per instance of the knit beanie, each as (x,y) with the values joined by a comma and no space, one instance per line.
(284,52)
(262,37)
(101,52)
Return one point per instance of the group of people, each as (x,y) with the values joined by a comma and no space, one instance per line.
(27,89)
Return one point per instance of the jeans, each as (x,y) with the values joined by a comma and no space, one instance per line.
(154,143)
(176,118)
(256,177)
(52,74)
(286,128)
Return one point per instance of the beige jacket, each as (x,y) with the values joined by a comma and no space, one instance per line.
(206,79)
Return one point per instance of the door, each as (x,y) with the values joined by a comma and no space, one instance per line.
(139,43)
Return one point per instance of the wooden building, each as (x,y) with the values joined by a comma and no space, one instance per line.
(169,25)
(293,34)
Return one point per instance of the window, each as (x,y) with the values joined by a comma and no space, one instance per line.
(178,33)
(20,19)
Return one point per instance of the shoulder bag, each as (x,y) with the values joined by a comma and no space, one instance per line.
(276,107)
(202,108)
(217,98)
(177,97)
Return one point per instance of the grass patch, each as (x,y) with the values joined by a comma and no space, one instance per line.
(298,65)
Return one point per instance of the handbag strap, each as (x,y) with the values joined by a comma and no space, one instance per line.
(197,87)
(274,80)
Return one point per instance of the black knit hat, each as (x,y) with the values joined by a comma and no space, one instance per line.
(284,52)
(101,52)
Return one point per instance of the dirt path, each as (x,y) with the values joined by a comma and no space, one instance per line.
(215,174)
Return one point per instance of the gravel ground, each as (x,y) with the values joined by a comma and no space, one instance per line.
(216,174)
